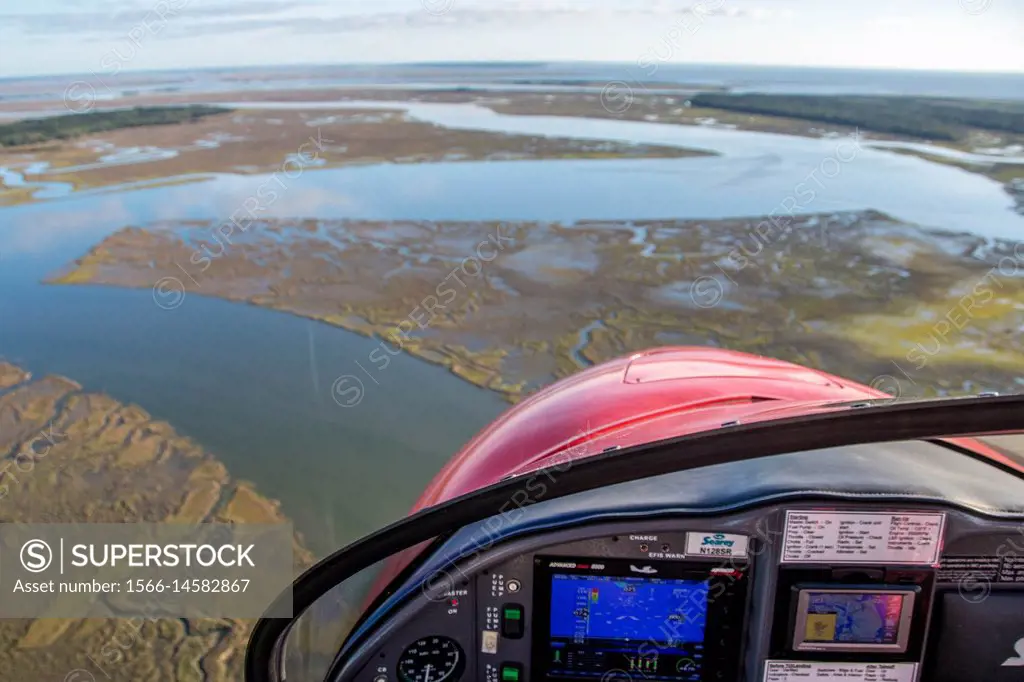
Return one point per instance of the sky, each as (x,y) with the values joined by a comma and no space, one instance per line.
(44,37)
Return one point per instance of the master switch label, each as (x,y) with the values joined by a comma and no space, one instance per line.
(862,537)
(800,671)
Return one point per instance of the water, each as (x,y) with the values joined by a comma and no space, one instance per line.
(554,75)
(749,185)
(255,386)
(12,177)
(576,352)
(754,174)
(27,175)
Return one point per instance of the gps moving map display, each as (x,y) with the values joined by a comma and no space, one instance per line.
(612,620)
(853,619)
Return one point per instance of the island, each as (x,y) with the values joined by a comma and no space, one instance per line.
(258,141)
(939,119)
(513,306)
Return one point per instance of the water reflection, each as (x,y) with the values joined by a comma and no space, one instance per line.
(755,174)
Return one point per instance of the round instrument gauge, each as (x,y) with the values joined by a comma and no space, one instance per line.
(432,659)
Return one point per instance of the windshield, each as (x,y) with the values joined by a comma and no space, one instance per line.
(439,571)
(273,263)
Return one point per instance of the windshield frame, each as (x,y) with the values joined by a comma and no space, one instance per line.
(859,423)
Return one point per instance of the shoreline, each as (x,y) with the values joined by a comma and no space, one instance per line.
(256,141)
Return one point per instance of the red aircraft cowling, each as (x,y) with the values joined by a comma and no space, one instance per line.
(706,387)
(648,396)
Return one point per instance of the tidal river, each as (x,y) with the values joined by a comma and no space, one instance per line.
(254,386)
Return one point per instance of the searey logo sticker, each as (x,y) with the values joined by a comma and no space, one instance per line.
(717,540)
(716,544)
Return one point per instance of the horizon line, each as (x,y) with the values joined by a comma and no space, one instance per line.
(501,63)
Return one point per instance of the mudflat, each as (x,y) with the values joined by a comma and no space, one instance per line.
(262,141)
(74,456)
(511,306)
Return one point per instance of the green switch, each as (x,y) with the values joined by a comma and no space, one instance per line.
(510,672)
(512,625)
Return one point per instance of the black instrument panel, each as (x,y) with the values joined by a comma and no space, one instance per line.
(694,599)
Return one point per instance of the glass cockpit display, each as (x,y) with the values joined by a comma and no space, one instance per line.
(853,619)
(611,622)
(628,608)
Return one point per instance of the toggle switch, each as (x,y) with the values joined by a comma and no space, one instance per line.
(511,672)
(512,621)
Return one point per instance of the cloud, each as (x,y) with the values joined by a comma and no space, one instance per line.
(189,18)
(519,13)
(109,18)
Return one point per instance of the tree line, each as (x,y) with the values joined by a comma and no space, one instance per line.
(69,126)
(921,117)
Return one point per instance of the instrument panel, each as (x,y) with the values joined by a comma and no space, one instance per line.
(612,618)
(847,591)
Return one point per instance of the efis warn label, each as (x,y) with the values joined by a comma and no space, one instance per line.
(716,544)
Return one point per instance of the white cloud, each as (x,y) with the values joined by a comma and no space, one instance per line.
(61,36)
